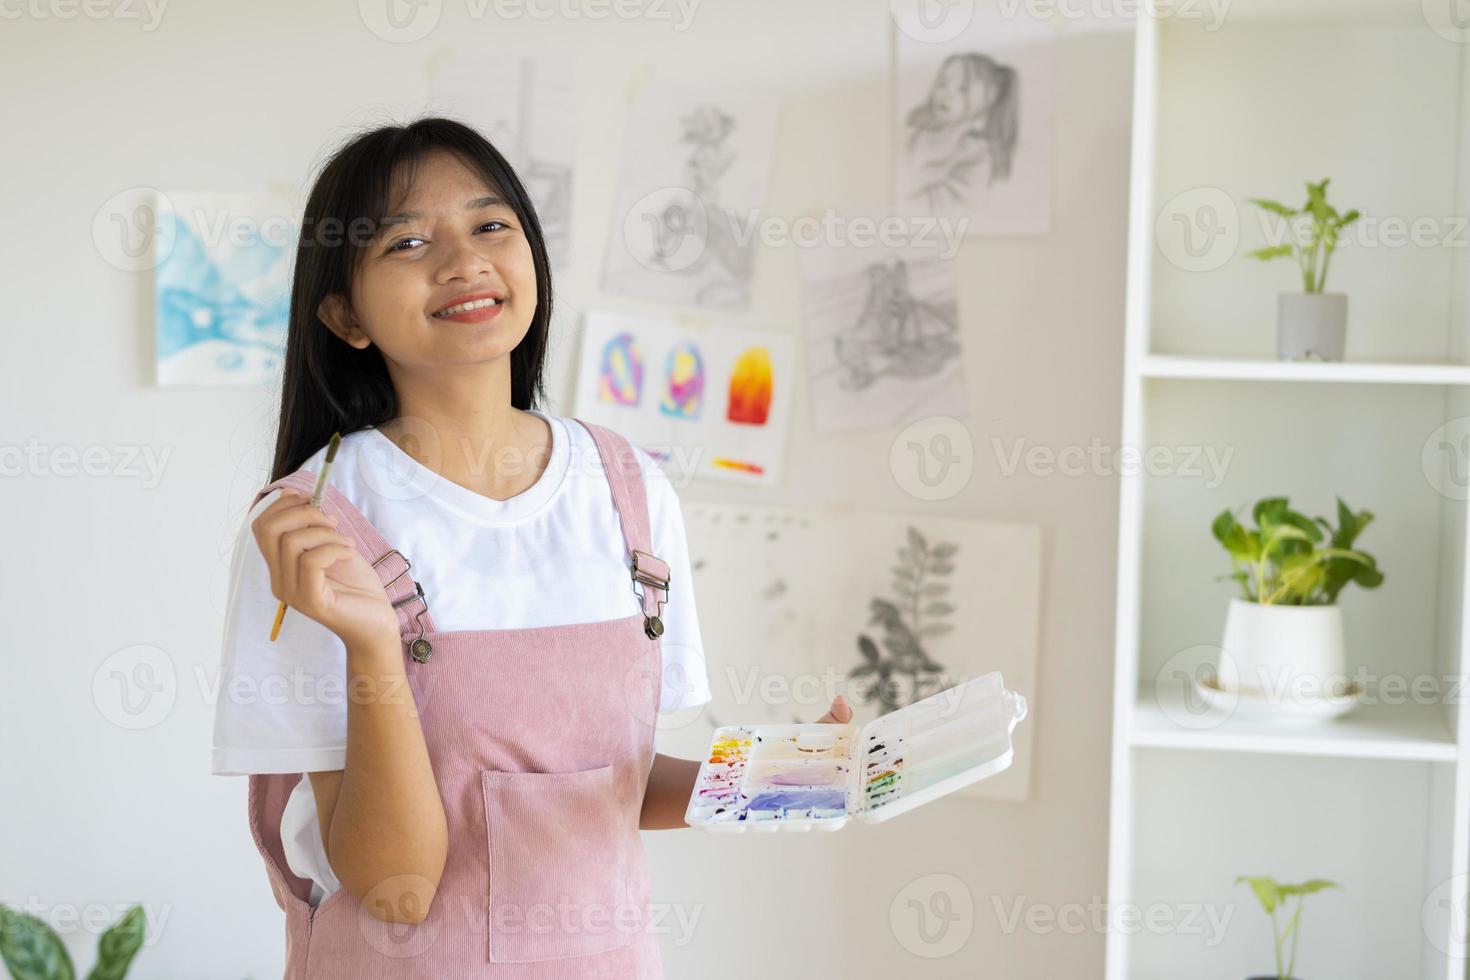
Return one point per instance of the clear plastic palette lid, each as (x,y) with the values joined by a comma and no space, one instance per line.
(816,776)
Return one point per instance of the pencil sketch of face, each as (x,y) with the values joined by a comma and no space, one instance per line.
(955,96)
(963,135)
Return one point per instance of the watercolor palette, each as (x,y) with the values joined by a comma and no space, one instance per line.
(805,777)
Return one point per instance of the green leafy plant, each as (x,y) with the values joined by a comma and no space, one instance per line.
(32,951)
(1273,896)
(1313,250)
(1283,560)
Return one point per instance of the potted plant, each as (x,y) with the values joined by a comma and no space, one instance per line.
(1273,896)
(33,951)
(1311,324)
(1285,629)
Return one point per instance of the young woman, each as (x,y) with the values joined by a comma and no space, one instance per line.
(484,619)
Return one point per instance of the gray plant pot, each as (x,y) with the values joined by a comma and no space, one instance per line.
(1311,326)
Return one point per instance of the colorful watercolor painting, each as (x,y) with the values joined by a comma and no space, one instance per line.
(620,375)
(222,290)
(742,440)
(683,382)
(750,387)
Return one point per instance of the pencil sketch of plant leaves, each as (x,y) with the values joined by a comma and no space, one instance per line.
(903,671)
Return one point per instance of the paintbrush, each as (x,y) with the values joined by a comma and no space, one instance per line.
(316,501)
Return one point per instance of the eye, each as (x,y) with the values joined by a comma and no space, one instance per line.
(394,247)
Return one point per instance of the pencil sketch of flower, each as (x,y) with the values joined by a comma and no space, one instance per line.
(906,672)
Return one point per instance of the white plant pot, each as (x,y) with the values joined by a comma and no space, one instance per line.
(1311,326)
(1287,655)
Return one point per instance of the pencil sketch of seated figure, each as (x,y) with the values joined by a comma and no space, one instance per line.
(690,221)
(962,137)
(896,334)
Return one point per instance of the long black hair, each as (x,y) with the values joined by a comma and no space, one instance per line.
(329,386)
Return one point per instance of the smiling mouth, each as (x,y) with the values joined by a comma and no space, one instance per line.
(478,304)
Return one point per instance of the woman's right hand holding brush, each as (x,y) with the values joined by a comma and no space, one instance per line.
(319,572)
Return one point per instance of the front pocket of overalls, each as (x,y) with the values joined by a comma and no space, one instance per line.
(559,864)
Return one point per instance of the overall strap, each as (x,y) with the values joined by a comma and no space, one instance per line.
(266,804)
(630,500)
(392,567)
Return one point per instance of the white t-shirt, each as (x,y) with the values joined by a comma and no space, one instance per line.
(549,556)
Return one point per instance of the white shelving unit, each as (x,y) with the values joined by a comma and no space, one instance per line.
(1366,92)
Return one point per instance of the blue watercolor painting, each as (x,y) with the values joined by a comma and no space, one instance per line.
(222,290)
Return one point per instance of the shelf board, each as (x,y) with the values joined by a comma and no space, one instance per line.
(1268,369)
(1406,731)
(1331,14)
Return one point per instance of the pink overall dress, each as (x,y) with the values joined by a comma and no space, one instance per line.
(541,741)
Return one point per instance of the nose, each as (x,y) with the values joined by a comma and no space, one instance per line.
(465,259)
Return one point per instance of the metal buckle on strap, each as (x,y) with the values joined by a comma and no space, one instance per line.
(418,594)
(406,566)
(647,576)
(420,648)
(653,626)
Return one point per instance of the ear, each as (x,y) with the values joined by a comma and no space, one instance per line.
(335,312)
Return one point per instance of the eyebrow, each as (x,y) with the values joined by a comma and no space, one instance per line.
(474,205)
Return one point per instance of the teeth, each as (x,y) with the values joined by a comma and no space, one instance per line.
(478,304)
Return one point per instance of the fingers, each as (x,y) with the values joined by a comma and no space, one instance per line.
(292,511)
(290,499)
(313,565)
(840,712)
(295,546)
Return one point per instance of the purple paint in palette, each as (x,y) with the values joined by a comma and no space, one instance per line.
(799,799)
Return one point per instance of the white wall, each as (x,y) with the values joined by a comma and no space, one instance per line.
(219,97)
